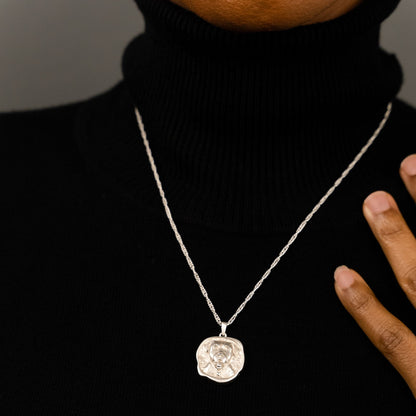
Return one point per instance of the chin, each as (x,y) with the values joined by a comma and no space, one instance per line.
(266,15)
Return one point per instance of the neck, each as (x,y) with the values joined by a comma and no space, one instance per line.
(242,125)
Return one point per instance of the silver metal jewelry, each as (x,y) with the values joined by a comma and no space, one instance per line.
(221,358)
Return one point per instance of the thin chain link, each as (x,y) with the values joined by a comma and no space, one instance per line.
(285,248)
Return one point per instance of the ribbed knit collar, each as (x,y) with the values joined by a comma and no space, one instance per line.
(178,26)
(248,130)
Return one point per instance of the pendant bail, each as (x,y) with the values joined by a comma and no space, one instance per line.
(223,328)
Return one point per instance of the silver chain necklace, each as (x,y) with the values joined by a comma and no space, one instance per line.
(221,358)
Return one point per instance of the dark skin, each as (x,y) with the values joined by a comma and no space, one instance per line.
(391,336)
(264,15)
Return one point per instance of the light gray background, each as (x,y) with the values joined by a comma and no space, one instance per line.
(58,51)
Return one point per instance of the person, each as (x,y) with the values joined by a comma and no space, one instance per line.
(252,111)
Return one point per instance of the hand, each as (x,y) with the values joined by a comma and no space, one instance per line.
(394,339)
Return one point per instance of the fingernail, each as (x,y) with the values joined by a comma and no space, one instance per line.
(378,202)
(343,277)
(409,165)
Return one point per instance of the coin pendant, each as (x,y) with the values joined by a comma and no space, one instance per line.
(220,358)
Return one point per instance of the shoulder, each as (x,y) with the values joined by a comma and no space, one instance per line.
(35,139)
(401,128)
(404,112)
(33,133)
(43,141)
(43,164)
(46,134)
(42,155)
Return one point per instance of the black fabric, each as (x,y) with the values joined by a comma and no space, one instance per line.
(100,313)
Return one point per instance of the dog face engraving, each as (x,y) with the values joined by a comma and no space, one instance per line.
(220,354)
(220,358)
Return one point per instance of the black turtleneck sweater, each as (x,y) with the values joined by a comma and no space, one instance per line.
(100,313)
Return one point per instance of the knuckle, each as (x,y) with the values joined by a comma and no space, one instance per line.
(390,229)
(360,301)
(409,279)
(391,339)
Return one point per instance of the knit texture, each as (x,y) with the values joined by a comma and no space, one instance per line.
(100,312)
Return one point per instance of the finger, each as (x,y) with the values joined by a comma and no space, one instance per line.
(408,174)
(396,239)
(392,338)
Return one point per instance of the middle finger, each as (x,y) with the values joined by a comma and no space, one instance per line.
(395,238)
